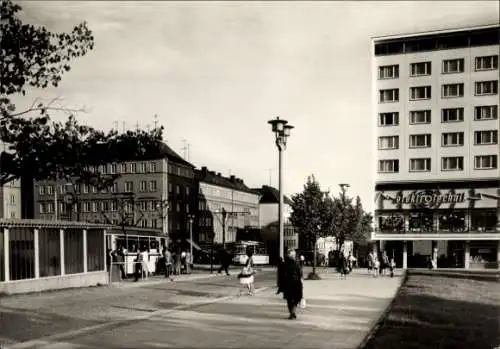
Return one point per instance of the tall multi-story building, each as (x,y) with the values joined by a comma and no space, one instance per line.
(154,192)
(438,181)
(217,193)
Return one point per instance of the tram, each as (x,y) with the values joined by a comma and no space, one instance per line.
(260,256)
(132,240)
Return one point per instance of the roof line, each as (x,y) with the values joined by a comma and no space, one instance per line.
(437,31)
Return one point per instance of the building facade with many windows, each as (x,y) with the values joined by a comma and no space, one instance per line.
(155,192)
(438,181)
(217,194)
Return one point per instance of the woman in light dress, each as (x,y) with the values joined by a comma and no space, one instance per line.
(247,274)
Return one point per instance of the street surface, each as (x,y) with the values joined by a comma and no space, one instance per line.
(201,313)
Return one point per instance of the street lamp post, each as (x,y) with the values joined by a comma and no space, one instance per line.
(191,220)
(281,130)
(343,188)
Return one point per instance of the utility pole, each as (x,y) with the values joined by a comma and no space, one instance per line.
(224,213)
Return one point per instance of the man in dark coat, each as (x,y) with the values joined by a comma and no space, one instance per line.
(290,282)
(225,260)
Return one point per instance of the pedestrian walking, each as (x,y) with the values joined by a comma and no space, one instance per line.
(290,283)
(167,257)
(247,273)
(138,265)
(225,261)
(120,259)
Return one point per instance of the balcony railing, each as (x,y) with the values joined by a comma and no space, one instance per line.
(434,229)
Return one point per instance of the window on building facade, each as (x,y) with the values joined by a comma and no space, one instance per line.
(113,205)
(420,117)
(420,92)
(94,189)
(42,208)
(178,207)
(452,90)
(420,140)
(142,167)
(41,190)
(420,165)
(103,169)
(124,168)
(22,253)
(388,166)
(50,190)
(388,142)
(485,162)
(486,88)
(420,69)
(104,206)
(486,112)
(114,188)
(152,186)
(485,137)
(187,208)
(484,220)
(452,139)
(73,251)
(133,167)
(143,186)
(93,206)
(452,163)
(129,186)
(388,119)
(487,63)
(85,188)
(113,169)
(388,72)
(152,167)
(452,66)
(391,95)
(452,115)
(143,205)
(187,191)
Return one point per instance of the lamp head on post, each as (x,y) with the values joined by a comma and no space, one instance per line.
(281,130)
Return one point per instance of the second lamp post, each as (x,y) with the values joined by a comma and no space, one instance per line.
(281,131)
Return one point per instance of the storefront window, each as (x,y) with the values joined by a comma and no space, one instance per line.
(392,223)
(421,222)
(483,254)
(452,221)
(484,221)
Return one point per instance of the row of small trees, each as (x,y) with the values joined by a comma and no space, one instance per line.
(32,58)
(317,213)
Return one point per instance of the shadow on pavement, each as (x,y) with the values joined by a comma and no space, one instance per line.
(469,275)
(20,325)
(423,321)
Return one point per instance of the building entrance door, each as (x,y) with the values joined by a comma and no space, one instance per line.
(456,254)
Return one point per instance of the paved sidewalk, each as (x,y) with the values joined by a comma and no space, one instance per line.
(339,314)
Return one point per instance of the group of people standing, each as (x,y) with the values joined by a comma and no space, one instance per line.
(379,263)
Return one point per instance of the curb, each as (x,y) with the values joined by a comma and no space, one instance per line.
(157,282)
(377,323)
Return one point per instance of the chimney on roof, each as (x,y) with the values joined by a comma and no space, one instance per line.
(233,179)
(204,170)
(219,174)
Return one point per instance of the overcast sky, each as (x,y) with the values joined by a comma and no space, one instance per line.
(216,72)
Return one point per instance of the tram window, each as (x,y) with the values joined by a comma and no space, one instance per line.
(241,250)
(120,242)
(144,242)
(153,244)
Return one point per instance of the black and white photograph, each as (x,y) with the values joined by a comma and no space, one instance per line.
(249,174)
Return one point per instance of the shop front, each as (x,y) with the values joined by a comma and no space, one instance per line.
(452,227)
